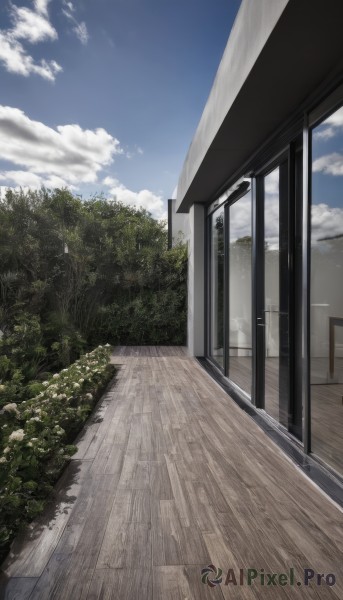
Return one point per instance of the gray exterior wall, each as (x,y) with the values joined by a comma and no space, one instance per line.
(278,52)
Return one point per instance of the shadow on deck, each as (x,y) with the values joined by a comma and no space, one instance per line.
(170,476)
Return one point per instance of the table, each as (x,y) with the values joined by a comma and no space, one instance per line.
(333,322)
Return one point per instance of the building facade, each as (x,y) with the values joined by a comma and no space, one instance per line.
(262,185)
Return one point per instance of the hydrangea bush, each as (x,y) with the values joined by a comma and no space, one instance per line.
(36,437)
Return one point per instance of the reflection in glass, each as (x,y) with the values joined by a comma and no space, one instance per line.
(327,291)
(240,344)
(217,287)
(272,291)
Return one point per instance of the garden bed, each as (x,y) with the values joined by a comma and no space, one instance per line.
(36,438)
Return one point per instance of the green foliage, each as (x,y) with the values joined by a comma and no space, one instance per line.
(73,274)
(55,304)
(35,438)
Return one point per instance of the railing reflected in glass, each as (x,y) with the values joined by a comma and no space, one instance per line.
(326,333)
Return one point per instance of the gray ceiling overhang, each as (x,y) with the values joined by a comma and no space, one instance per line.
(278,52)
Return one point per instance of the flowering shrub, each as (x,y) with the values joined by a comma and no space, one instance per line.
(35,438)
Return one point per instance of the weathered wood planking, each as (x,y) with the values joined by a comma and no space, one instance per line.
(170,476)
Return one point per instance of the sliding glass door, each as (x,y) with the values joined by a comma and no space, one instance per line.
(239,308)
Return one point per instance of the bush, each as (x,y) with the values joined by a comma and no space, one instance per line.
(36,436)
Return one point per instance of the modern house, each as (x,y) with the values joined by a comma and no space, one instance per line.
(262,189)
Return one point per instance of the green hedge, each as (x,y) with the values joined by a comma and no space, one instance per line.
(36,436)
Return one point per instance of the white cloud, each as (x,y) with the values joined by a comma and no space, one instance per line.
(27,180)
(16,60)
(68,153)
(271,185)
(330,127)
(22,178)
(331,164)
(240,219)
(326,221)
(142,199)
(82,32)
(41,6)
(30,26)
(79,28)
(110,181)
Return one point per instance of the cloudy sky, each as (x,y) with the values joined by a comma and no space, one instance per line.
(105,95)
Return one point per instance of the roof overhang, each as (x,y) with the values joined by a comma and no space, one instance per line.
(278,52)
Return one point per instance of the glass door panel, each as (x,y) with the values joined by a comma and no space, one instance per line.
(217,287)
(272,291)
(240,332)
(273,319)
(327,292)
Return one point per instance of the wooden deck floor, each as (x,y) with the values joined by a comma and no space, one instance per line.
(171,476)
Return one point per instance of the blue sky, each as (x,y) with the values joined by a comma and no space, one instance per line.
(105,95)
(327,156)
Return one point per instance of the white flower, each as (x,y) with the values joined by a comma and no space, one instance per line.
(38,411)
(107,346)
(81,380)
(76,385)
(3,459)
(55,376)
(17,435)
(34,439)
(2,388)
(54,395)
(30,444)
(89,396)
(11,408)
(7,449)
(45,383)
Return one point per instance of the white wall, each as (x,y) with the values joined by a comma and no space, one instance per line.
(180,228)
(196,281)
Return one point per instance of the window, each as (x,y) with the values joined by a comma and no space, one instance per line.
(326,330)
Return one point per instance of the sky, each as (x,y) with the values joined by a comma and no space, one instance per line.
(105,95)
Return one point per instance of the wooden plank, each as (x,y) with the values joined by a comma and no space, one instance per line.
(16,588)
(31,551)
(123,584)
(181,583)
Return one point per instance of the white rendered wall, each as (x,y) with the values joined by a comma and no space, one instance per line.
(196,281)
(179,225)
